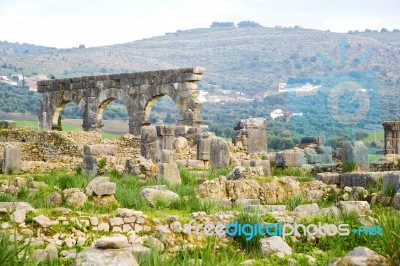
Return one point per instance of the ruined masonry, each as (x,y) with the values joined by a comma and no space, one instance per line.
(392,137)
(252,133)
(138,91)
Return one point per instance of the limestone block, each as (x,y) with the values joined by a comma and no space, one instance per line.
(11,159)
(219,153)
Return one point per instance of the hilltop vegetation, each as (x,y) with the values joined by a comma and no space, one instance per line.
(249,60)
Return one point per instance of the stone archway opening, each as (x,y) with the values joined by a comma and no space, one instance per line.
(67,117)
(112,118)
(162,110)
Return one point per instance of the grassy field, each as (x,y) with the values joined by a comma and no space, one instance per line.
(375,136)
(72,125)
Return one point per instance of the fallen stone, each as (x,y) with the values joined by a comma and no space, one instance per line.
(170,172)
(77,199)
(151,194)
(111,242)
(265,208)
(360,207)
(19,216)
(361,256)
(43,221)
(308,209)
(11,206)
(390,182)
(329,178)
(123,212)
(98,257)
(273,245)
(180,144)
(236,174)
(100,186)
(100,150)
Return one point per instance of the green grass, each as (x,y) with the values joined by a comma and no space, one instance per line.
(23,123)
(13,252)
(378,134)
(294,201)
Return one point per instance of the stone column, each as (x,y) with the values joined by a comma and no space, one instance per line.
(166,137)
(392,137)
(89,114)
(148,146)
(219,153)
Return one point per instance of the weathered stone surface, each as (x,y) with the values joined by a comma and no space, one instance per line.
(167,156)
(165,137)
(170,172)
(252,134)
(219,153)
(43,221)
(289,158)
(265,208)
(100,149)
(138,91)
(390,182)
(19,216)
(98,257)
(308,209)
(111,242)
(236,174)
(11,206)
(100,186)
(203,142)
(123,212)
(396,200)
(363,256)
(11,159)
(55,198)
(355,152)
(273,245)
(149,148)
(361,207)
(89,165)
(360,179)
(151,194)
(77,199)
(180,144)
(247,202)
(329,178)
(115,221)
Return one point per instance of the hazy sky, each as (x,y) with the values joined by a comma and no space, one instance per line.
(68,23)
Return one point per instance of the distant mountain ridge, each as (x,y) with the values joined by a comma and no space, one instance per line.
(248,60)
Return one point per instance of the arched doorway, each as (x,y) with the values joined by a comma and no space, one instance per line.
(112,118)
(162,110)
(67,117)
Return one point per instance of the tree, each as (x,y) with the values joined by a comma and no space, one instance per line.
(384,30)
(222,25)
(248,24)
(82,46)
(168,119)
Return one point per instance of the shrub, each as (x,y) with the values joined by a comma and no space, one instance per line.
(348,167)
(295,201)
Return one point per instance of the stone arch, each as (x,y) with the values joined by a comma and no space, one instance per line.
(59,101)
(156,92)
(105,98)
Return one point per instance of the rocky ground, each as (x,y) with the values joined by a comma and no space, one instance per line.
(67,218)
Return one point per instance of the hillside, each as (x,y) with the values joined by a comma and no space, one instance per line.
(252,61)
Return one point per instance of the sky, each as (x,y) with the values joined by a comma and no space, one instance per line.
(69,23)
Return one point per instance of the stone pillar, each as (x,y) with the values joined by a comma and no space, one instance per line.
(392,137)
(219,153)
(166,137)
(149,146)
(11,160)
(252,133)
(167,169)
(89,114)
(203,143)
(89,165)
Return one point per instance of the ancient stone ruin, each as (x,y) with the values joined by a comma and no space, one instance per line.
(252,133)
(392,137)
(138,91)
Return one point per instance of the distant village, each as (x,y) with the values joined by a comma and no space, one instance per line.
(20,80)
